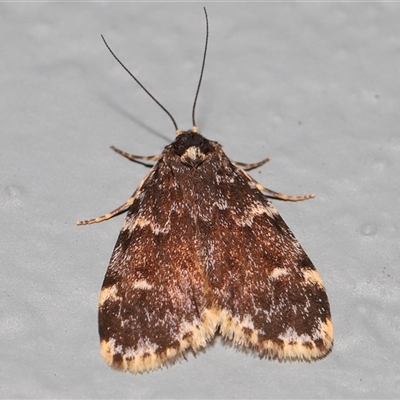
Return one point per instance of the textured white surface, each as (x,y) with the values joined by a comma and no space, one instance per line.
(315,86)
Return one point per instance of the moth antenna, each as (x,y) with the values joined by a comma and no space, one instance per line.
(140,84)
(201,72)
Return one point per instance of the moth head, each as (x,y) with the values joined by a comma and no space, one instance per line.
(191,147)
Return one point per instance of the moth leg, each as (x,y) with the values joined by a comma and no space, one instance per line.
(124,206)
(248,167)
(277,195)
(285,197)
(111,214)
(132,157)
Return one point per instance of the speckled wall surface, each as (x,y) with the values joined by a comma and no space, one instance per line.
(315,86)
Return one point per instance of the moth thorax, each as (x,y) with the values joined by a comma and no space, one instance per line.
(193,156)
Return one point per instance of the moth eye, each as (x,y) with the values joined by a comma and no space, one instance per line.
(179,148)
(204,146)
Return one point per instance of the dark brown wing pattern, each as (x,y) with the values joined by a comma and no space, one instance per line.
(266,291)
(155,290)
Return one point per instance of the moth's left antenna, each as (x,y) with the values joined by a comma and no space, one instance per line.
(201,72)
(140,84)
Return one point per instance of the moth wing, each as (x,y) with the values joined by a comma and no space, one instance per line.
(154,292)
(266,290)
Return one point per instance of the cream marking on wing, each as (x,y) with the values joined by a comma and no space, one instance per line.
(256,210)
(147,355)
(278,272)
(311,276)
(143,222)
(233,328)
(291,336)
(108,293)
(144,347)
(247,322)
(142,284)
(199,334)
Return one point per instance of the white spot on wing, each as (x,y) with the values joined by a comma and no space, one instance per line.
(141,222)
(144,346)
(277,272)
(254,211)
(247,322)
(291,336)
(142,284)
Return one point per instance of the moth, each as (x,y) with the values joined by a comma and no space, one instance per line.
(203,251)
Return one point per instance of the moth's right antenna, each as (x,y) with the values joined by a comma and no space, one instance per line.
(201,72)
(139,83)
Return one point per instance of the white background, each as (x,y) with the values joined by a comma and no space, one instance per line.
(315,86)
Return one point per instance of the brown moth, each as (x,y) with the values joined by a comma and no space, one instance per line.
(203,251)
